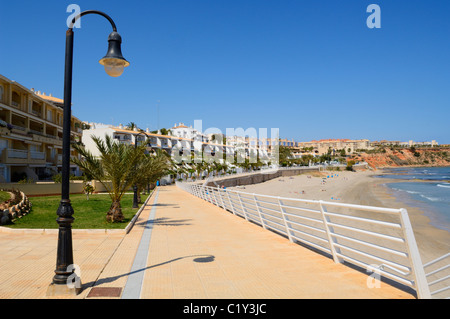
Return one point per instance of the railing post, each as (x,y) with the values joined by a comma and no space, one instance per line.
(420,280)
(329,230)
(195,190)
(288,233)
(214,193)
(205,193)
(221,191)
(208,194)
(202,192)
(242,206)
(231,204)
(198,191)
(259,213)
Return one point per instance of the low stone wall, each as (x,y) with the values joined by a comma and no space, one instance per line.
(260,177)
(51,188)
(16,211)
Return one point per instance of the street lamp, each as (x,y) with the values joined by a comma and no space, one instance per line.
(135,196)
(114,64)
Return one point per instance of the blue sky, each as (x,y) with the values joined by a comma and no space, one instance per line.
(313,69)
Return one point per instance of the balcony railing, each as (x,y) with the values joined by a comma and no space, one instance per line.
(13,153)
(20,128)
(35,132)
(37,155)
(37,113)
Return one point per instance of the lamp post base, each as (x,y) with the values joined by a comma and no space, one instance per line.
(135,197)
(55,290)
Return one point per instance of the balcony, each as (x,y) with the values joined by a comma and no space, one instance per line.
(166,143)
(45,138)
(15,104)
(4,131)
(37,155)
(15,156)
(19,129)
(36,113)
(155,142)
(12,153)
(57,160)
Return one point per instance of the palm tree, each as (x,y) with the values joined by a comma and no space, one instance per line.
(131,126)
(115,169)
(217,167)
(151,168)
(200,167)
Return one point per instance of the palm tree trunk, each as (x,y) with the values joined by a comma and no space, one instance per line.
(139,190)
(115,212)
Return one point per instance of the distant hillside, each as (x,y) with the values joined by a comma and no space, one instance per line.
(395,157)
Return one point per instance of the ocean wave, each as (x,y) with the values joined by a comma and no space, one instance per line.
(433,199)
(446,185)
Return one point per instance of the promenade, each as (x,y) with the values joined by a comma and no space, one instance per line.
(182,247)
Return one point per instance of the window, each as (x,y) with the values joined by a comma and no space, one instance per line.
(3,144)
(15,99)
(1,92)
(3,173)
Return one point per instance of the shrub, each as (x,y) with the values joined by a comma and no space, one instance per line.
(350,165)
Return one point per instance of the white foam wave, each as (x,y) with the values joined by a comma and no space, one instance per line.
(446,185)
(433,199)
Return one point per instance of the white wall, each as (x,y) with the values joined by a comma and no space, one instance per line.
(89,142)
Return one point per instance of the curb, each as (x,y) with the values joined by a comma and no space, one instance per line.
(138,213)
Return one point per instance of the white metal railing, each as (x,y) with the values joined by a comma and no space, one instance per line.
(438,276)
(366,236)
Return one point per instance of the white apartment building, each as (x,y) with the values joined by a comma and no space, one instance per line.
(181,130)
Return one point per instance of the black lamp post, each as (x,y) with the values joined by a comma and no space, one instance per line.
(135,195)
(114,64)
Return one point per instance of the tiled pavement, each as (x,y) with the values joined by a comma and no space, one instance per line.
(188,248)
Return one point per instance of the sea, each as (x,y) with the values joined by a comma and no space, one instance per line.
(427,188)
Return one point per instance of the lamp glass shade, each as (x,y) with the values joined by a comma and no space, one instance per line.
(113,61)
(114,67)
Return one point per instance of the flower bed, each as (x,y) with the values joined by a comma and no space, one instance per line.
(16,207)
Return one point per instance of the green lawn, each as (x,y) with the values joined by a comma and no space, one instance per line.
(89,214)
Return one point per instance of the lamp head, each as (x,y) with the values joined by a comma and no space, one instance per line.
(113,61)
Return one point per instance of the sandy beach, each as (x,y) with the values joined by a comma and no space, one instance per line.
(356,188)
